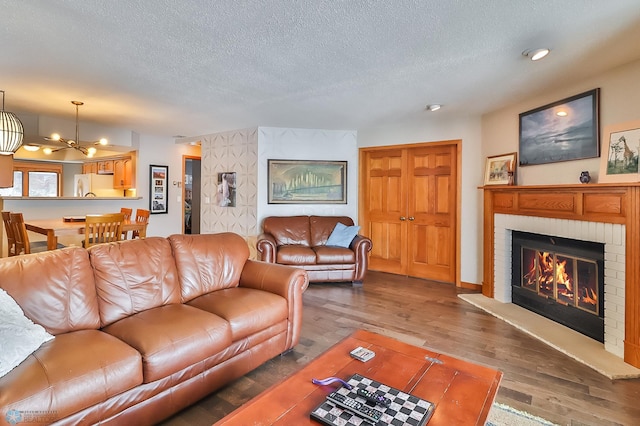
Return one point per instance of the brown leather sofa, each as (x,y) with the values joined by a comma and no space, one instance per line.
(144,328)
(301,241)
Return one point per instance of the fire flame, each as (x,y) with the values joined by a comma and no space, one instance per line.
(548,271)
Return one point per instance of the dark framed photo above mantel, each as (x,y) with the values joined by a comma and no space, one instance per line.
(158,191)
(307,182)
(561,131)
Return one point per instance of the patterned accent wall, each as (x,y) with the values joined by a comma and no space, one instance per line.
(237,152)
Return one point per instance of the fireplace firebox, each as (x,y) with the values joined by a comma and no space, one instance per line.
(561,279)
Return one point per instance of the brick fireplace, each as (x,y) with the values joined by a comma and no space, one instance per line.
(601,213)
(612,235)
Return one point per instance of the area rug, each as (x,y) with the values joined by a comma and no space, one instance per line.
(503,415)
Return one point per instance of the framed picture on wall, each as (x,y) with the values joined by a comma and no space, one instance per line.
(561,131)
(226,195)
(158,191)
(307,182)
(500,169)
(620,149)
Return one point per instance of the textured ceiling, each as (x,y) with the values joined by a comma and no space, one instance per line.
(172,67)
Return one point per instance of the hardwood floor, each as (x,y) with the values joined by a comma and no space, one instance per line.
(537,378)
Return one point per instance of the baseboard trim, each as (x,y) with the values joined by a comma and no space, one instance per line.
(471,286)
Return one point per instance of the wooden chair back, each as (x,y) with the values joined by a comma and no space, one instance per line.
(102,228)
(20,234)
(11,239)
(142,216)
(127,212)
(127,216)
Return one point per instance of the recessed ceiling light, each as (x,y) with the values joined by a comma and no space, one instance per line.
(536,54)
(433,107)
(31,148)
(561,113)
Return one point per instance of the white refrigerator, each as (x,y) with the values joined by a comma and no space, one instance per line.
(94,185)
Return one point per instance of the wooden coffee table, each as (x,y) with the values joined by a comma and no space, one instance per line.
(463,392)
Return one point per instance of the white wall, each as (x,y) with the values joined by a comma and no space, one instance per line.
(619,103)
(307,144)
(162,151)
(469,131)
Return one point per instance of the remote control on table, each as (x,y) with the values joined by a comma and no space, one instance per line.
(356,407)
(373,397)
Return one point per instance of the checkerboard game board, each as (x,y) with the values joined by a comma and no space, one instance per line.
(405,409)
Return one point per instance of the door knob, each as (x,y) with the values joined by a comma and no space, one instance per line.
(412,218)
(403,218)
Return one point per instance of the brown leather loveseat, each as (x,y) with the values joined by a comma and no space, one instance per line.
(144,328)
(301,241)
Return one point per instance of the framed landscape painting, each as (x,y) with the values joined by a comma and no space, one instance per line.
(307,182)
(561,131)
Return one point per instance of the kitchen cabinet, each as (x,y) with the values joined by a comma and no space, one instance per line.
(91,167)
(105,167)
(122,173)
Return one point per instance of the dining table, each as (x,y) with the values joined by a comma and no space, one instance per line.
(53,228)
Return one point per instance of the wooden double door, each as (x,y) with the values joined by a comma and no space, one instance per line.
(409,199)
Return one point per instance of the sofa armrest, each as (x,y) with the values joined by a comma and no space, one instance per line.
(361,246)
(266,246)
(286,281)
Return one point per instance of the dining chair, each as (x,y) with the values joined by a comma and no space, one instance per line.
(102,228)
(127,216)
(142,216)
(11,239)
(22,244)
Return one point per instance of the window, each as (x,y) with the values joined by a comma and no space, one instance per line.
(43,184)
(34,179)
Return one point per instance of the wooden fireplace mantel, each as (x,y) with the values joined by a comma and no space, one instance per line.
(610,203)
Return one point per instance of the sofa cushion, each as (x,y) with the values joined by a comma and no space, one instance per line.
(208,262)
(133,276)
(321,227)
(172,337)
(328,255)
(295,255)
(247,310)
(74,371)
(54,289)
(288,230)
(342,235)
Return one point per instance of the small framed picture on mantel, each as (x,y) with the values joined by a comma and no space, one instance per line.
(501,169)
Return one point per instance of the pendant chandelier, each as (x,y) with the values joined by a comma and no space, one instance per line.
(11,131)
(75,143)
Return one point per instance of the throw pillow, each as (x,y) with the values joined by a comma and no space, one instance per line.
(20,337)
(342,235)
